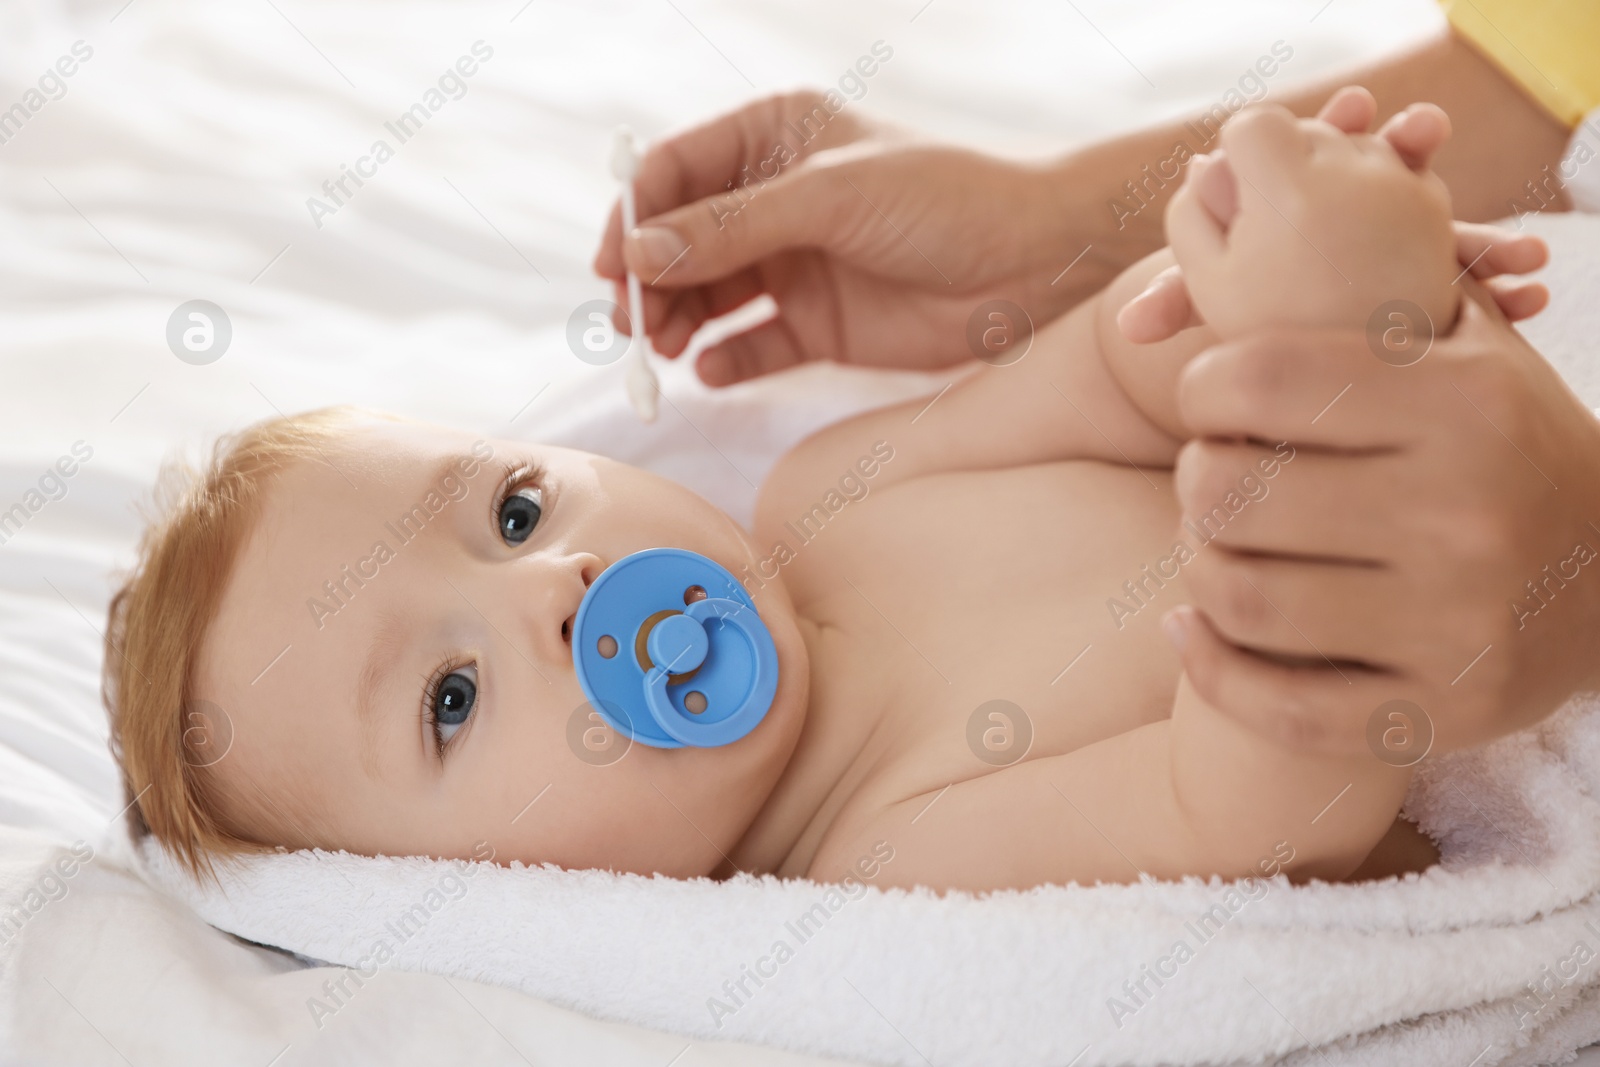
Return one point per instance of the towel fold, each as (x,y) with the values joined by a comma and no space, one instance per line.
(1488,958)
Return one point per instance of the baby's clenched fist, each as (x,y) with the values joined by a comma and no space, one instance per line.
(1296,223)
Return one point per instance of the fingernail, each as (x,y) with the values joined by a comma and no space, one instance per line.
(1145,293)
(1172,625)
(659,245)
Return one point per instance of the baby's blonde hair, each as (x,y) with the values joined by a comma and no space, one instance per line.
(159,617)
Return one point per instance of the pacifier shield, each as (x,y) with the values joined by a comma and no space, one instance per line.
(670,651)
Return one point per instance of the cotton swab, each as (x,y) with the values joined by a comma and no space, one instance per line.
(642,384)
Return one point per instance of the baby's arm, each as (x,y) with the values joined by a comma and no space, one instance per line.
(1194,795)
(1085,392)
(1060,401)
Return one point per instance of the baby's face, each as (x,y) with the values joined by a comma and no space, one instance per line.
(421,585)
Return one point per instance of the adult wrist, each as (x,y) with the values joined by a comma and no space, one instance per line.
(1071,246)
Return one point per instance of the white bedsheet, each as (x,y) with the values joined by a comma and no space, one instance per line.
(177,165)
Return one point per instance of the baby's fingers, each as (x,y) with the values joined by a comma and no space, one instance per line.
(1517,298)
(1494,250)
(1417,133)
(1163,309)
(1351,109)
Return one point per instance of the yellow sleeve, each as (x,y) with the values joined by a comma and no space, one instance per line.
(1549,47)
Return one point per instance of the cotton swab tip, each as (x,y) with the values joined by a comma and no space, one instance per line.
(624,155)
(642,389)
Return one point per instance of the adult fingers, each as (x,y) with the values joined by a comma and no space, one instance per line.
(1304,705)
(691,309)
(700,162)
(710,239)
(1314,610)
(1314,387)
(1254,498)
(770,347)
(657,306)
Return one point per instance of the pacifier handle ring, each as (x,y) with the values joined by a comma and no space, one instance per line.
(689,731)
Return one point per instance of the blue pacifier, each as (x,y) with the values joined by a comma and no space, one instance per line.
(670,651)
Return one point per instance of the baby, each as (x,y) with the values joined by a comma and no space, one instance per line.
(355,632)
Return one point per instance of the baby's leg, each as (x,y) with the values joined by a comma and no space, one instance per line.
(1249,798)
(1325,229)
(1246,800)
(1147,373)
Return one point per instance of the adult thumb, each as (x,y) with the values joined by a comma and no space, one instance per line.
(711,238)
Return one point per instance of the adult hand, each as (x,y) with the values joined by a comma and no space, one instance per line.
(877,248)
(1434,539)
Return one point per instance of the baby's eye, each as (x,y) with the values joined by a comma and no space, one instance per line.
(519,514)
(452,702)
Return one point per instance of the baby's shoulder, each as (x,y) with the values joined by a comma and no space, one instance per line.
(832,468)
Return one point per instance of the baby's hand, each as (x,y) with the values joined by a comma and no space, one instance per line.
(1302,224)
(1495,256)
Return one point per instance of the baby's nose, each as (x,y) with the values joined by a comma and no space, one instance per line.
(547,600)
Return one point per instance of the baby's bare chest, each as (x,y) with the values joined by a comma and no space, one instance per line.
(1016,610)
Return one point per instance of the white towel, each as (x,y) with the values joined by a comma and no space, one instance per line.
(1488,958)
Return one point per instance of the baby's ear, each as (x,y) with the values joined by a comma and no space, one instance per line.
(1216,186)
